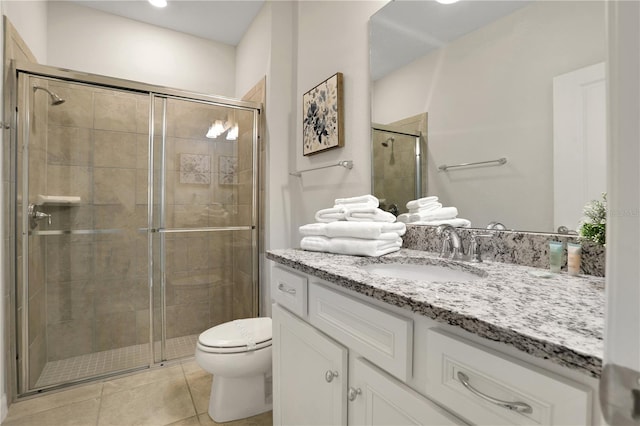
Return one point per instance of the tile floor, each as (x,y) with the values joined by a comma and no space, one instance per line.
(176,394)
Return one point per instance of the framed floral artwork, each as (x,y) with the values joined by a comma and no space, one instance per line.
(322,112)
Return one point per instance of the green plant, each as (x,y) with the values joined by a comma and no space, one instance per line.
(594,224)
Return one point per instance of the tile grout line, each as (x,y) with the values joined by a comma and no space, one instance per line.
(193,401)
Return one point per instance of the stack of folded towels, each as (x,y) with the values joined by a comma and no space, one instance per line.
(354,226)
(428,211)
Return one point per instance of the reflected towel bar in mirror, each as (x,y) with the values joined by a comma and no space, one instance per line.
(499,162)
(347,164)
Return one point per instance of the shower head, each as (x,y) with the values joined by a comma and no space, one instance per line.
(55,99)
(387,142)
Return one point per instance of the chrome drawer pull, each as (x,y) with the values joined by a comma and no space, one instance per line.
(330,375)
(282,288)
(520,407)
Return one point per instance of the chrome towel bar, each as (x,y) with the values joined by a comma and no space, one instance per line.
(347,164)
(499,162)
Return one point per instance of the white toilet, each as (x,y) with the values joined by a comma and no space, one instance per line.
(238,354)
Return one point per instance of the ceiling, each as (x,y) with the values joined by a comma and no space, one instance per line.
(224,21)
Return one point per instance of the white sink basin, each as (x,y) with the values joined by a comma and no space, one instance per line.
(415,272)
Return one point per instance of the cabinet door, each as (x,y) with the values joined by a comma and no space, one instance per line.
(379,399)
(309,374)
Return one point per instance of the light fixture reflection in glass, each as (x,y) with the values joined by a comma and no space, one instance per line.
(215,130)
(158,3)
(232,135)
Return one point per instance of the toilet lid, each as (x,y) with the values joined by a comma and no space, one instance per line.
(249,333)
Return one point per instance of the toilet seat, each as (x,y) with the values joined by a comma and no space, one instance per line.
(244,335)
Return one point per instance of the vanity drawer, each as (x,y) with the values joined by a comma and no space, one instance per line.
(382,337)
(493,378)
(289,290)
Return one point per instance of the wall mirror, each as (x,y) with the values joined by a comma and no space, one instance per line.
(520,80)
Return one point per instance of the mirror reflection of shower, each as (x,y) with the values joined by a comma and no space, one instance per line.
(386,143)
(396,164)
(55,99)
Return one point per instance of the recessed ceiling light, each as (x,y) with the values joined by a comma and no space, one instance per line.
(158,3)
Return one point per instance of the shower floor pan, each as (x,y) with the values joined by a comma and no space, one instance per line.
(95,364)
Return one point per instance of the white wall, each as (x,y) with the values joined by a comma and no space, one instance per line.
(622,331)
(267,50)
(489,95)
(84,39)
(333,37)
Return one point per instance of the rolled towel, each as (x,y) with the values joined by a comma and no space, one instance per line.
(369,230)
(330,215)
(428,208)
(350,246)
(456,223)
(421,202)
(360,201)
(369,214)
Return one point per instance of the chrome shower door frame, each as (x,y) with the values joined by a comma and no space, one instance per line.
(153,230)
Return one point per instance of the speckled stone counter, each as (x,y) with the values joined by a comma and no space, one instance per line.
(560,318)
(520,248)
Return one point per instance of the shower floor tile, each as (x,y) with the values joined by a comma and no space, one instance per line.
(95,364)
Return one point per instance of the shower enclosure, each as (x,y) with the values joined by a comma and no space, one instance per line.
(135,223)
(396,167)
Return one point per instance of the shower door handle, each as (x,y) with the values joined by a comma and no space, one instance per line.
(35,216)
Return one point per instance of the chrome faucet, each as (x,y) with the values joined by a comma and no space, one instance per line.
(452,247)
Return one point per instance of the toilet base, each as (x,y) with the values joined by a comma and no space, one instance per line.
(234,398)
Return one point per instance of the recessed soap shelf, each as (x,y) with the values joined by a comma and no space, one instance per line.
(57,200)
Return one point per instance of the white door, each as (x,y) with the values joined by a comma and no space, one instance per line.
(309,374)
(378,399)
(620,381)
(579,142)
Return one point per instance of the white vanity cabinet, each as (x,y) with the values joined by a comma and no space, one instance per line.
(339,358)
(379,399)
(309,374)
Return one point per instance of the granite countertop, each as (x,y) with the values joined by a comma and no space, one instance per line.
(560,318)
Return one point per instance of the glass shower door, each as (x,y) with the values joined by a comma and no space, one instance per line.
(81,203)
(204,220)
(135,220)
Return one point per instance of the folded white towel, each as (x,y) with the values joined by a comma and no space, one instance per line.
(440,214)
(428,208)
(369,230)
(330,215)
(369,214)
(350,246)
(421,202)
(404,218)
(360,201)
(456,223)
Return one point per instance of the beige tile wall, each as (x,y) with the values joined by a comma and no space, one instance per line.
(97,284)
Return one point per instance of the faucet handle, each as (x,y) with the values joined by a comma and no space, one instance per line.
(474,247)
(446,246)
